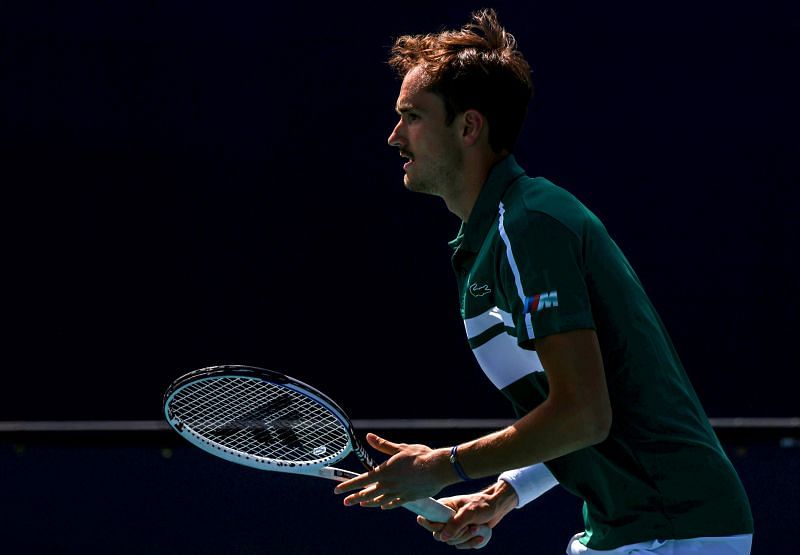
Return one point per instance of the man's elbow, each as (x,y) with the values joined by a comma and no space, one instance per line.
(598,425)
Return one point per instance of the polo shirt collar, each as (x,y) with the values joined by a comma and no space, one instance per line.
(472,233)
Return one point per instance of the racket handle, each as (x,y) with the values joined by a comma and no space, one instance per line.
(429,508)
(434,511)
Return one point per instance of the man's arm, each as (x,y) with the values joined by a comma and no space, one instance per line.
(576,414)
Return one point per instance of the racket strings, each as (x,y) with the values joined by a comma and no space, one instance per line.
(260,419)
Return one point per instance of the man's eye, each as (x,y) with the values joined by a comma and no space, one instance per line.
(412,117)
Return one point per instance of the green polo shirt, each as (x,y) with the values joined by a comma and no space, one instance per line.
(533,261)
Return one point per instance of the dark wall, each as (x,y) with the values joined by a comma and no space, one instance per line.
(196,183)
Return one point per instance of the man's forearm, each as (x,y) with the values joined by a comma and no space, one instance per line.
(576,413)
(551,430)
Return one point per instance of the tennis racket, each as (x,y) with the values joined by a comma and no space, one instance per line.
(267,420)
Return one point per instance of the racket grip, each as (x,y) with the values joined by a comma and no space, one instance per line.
(434,511)
(428,508)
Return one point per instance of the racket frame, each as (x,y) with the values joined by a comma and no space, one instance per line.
(429,508)
(318,468)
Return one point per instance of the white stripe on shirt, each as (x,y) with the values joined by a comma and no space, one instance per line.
(515,269)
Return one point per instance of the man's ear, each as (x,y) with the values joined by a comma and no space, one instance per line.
(473,125)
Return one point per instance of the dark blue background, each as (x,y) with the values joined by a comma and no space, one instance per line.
(163,496)
(191,183)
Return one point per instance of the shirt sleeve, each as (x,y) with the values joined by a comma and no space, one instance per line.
(529,482)
(545,277)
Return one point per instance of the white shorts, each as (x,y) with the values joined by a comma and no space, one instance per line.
(725,545)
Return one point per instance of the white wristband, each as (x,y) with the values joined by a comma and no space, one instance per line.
(529,482)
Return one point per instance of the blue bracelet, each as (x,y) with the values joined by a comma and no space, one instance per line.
(456,464)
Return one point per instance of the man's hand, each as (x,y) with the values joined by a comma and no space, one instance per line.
(485,507)
(412,472)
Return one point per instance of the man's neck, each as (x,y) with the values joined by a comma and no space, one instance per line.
(476,171)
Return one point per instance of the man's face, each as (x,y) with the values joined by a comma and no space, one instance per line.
(432,147)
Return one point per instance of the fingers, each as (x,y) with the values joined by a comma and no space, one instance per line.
(371,495)
(428,525)
(476,542)
(470,533)
(360,481)
(463,524)
(363,497)
(383,445)
(388,505)
(474,537)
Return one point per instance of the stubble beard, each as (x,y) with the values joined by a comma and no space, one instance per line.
(441,181)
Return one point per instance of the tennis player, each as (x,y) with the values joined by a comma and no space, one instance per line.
(559,322)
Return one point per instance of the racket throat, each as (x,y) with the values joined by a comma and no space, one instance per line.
(362,453)
(338,474)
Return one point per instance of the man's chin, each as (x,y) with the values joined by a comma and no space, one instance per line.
(413,185)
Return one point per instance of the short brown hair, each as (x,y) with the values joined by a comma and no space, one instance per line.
(477,67)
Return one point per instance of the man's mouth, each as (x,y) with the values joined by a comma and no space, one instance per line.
(410,159)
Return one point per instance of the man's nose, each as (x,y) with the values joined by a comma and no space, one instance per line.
(395,138)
